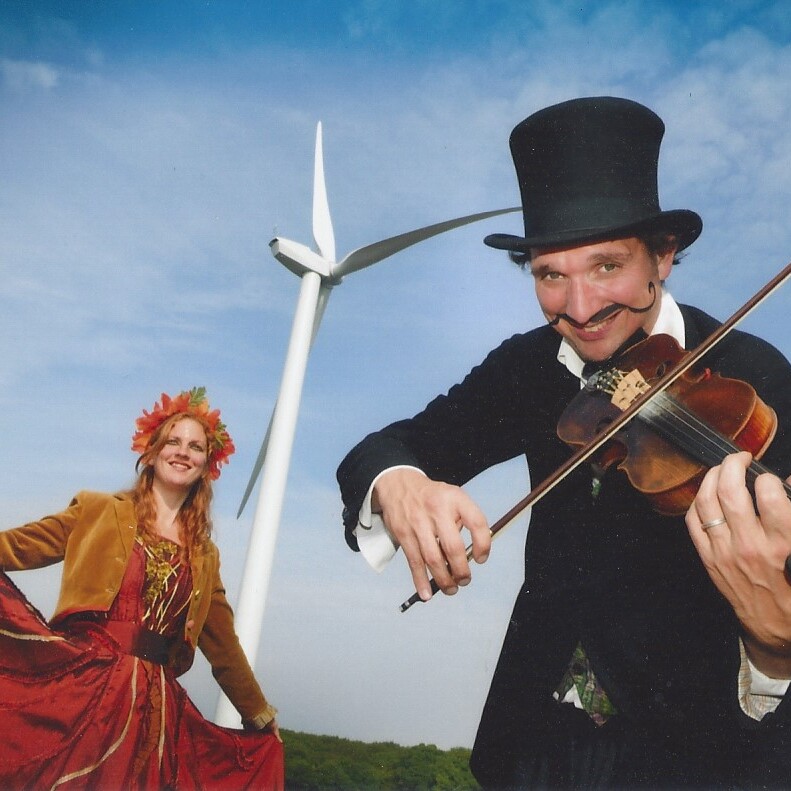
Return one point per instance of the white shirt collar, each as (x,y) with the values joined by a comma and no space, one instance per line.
(669,322)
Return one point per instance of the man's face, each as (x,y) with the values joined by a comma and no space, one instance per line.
(582,281)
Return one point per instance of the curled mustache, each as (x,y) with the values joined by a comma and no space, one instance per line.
(605,312)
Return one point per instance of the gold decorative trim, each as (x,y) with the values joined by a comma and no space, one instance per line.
(113,747)
(37,637)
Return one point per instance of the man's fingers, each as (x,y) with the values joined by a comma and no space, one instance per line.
(425,518)
(426,581)
(723,508)
(445,561)
(735,501)
(774,506)
(475,521)
(442,551)
(452,541)
(417,566)
(428,558)
(705,508)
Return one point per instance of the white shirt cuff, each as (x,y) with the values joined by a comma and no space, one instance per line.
(761,684)
(758,693)
(376,544)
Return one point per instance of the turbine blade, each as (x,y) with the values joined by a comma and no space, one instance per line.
(322,223)
(324,295)
(257,467)
(370,254)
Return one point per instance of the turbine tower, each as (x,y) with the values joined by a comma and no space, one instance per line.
(319,273)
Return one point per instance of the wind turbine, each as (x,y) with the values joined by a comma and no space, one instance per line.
(319,273)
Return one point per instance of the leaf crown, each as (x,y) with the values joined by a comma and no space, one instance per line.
(195,404)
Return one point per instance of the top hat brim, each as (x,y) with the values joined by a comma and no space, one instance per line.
(684,224)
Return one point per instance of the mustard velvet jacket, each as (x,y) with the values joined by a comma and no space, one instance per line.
(94,538)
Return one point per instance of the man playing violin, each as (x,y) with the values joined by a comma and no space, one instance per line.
(623,665)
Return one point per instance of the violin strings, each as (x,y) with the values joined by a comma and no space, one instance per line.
(683,427)
(694,435)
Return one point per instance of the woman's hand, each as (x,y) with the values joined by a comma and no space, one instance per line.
(273,728)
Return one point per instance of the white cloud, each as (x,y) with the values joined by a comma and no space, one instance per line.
(20,75)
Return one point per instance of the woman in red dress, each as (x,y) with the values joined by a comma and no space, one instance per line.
(91,699)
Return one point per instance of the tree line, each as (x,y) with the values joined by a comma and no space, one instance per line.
(330,763)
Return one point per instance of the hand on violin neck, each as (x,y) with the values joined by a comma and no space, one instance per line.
(745,556)
(425,518)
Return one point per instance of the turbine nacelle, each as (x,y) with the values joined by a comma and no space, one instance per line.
(300,259)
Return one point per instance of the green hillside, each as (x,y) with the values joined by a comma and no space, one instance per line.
(321,763)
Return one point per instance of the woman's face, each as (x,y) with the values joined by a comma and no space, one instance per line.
(183,457)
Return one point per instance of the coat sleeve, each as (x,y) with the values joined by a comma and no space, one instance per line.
(220,645)
(41,543)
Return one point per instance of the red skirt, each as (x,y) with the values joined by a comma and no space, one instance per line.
(77,712)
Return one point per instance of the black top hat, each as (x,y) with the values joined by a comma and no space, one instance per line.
(587,171)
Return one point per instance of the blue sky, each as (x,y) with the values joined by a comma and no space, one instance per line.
(150,151)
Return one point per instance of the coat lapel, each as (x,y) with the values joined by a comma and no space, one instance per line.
(126,523)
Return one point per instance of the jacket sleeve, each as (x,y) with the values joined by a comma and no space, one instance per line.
(220,645)
(41,543)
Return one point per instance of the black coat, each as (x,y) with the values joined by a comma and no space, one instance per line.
(608,572)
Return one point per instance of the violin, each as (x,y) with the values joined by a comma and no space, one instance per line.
(685,420)
(677,436)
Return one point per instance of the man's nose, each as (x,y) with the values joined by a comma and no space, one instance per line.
(581,301)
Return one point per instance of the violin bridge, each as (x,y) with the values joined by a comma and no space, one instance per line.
(627,388)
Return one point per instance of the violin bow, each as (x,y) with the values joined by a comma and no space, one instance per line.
(606,434)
